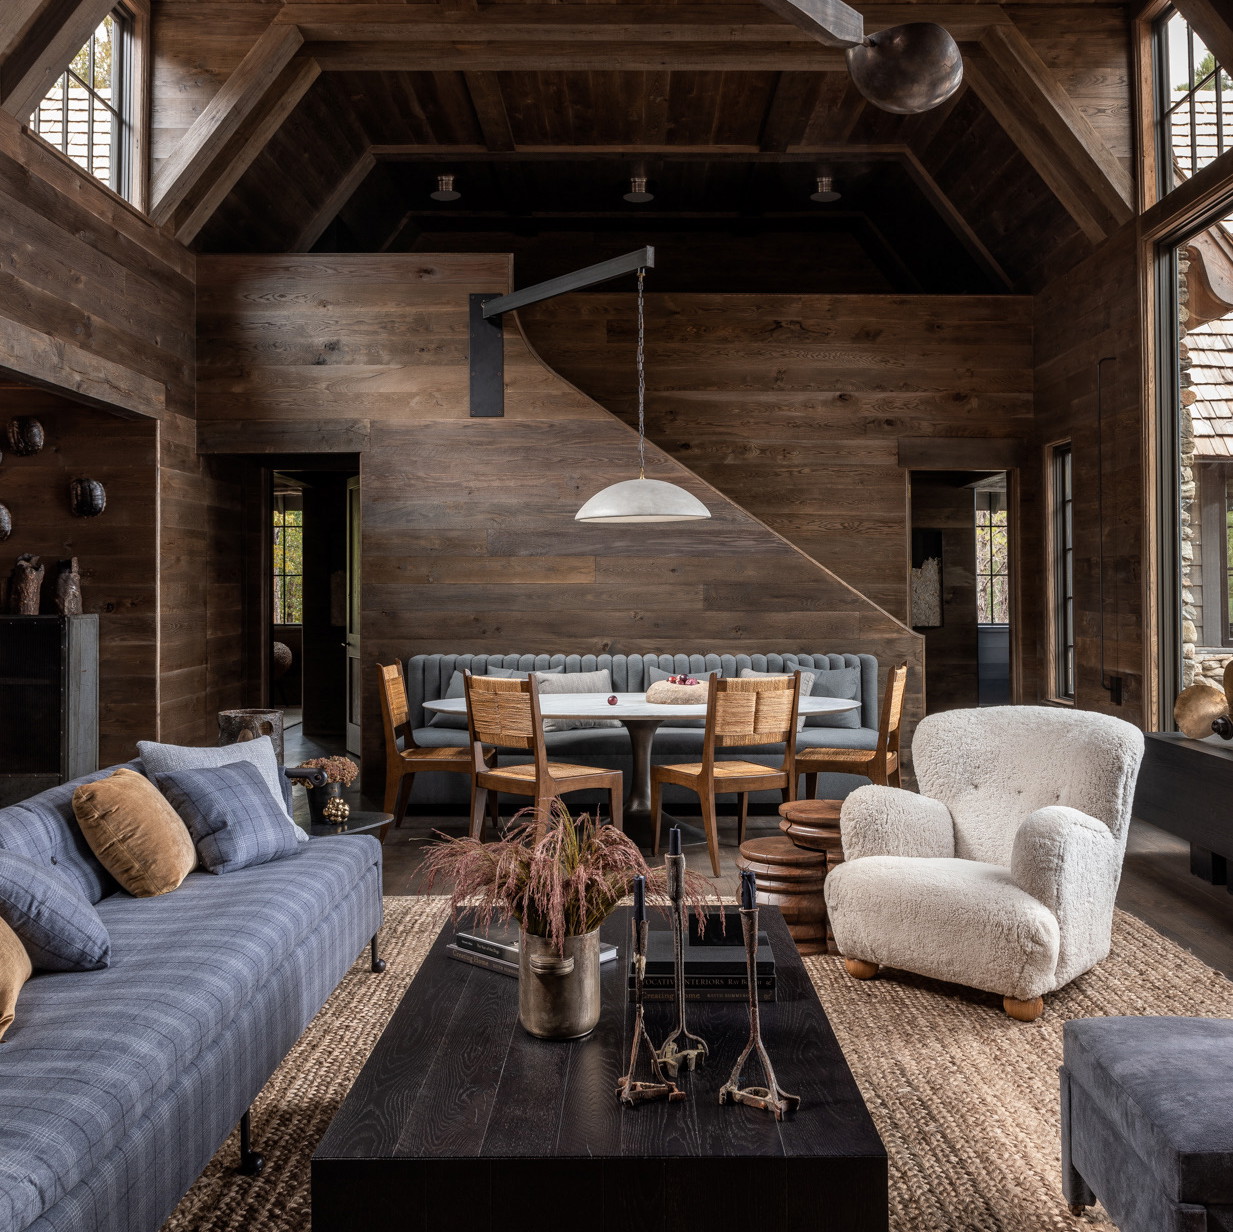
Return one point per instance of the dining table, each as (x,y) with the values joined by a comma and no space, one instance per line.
(641,719)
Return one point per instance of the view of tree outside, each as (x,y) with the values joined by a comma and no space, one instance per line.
(992,567)
(288,564)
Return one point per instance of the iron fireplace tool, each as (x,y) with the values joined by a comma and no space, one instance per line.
(681,1047)
(772,1097)
(629,1089)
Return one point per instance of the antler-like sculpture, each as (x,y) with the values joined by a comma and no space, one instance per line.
(681,1047)
(629,1089)
(771,1097)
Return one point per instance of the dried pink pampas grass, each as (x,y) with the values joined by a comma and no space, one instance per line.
(557,876)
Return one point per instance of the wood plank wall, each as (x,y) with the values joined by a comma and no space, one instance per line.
(117,551)
(1090,314)
(793,406)
(469,541)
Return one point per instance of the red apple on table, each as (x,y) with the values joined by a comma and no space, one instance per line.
(612,701)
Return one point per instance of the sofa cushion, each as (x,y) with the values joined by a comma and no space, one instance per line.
(43,829)
(89,1054)
(842,682)
(230,815)
(1166,1085)
(599,681)
(159,759)
(59,928)
(458,689)
(15,969)
(135,832)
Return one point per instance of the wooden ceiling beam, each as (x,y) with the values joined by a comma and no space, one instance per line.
(222,118)
(792,104)
(668,153)
(1213,23)
(1051,132)
(489,104)
(17,17)
(242,150)
(47,41)
(332,206)
(832,22)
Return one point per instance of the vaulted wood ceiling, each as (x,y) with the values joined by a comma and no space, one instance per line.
(543,113)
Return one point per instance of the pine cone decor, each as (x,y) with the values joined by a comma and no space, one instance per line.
(336,811)
(87,498)
(26,436)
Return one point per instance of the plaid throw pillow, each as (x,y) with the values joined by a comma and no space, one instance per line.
(58,926)
(230,814)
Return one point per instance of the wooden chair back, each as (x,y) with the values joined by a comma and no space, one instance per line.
(891,719)
(504,713)
(395,713)
(752,710)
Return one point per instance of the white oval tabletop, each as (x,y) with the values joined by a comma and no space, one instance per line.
(632,706)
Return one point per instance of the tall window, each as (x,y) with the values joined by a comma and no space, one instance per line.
(1194,101)
(992,560)
(1061,489)
(88,113)
(288,559)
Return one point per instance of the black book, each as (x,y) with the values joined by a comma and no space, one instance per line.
(717,950)
(501,941)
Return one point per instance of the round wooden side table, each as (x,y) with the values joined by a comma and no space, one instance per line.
(791,869)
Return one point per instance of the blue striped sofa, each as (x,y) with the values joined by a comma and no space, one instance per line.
(118,1086)
(428,677)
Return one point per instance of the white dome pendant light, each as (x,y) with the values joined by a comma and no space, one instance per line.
(642,499)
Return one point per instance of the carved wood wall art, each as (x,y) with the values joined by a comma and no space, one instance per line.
(6,523)
(68,588)
(87,498)
(25,586)
(26,436)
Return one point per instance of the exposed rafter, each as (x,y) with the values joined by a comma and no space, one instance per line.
(1050,130)
(329,209)
(490,111)
(239,96)
(46,41)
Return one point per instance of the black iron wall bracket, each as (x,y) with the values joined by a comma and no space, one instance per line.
(487,346)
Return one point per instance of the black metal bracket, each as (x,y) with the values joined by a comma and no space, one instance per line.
(251,1162)
(487,339)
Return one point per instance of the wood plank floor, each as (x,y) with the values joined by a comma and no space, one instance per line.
(1157,885)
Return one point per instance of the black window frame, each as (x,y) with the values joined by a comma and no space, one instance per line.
(1062,551)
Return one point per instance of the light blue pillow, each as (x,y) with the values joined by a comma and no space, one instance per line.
(455,689)
(836,682)
(228,811)
(53,919)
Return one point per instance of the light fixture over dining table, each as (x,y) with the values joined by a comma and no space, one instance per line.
(642,499)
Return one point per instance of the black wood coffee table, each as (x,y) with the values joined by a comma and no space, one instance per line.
(462,1122)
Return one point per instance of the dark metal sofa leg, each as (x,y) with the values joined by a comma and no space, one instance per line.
(251,1162)
(378,964)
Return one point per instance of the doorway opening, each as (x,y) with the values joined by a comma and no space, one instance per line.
(311,567)
(961,593)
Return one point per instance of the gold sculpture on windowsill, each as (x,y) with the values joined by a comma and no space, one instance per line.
(1203,709)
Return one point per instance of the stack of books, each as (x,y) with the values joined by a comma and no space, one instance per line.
(715,967)
(497,949)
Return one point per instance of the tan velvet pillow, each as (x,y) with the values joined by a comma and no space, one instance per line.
(136,834)
(15,970)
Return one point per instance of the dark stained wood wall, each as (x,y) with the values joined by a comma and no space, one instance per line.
(469,540)
(1091,313)
(117,551)
(793,406)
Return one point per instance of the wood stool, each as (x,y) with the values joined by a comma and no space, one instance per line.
(791,878)
(814,824)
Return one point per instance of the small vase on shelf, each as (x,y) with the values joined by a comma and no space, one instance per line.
(318,800)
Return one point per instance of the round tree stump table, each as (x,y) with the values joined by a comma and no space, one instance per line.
(791,869)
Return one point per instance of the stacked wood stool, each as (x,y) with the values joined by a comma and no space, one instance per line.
(791,869)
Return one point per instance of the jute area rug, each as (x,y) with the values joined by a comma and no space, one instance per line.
(965,1099)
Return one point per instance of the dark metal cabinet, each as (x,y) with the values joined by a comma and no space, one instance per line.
(48,702)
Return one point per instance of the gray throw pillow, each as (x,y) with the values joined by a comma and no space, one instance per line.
(230,815)
(159,759)
(842,682)
(655,674)
(51,917)
(576,682)
(456,689)
(806,684)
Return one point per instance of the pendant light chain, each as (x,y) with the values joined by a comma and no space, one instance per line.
(641,374)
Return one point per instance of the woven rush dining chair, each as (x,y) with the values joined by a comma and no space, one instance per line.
(740,712)
(403,763)
(505,713)
(880,765)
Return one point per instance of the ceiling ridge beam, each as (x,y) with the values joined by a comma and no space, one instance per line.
(48,40)
(242,151)
(222,117)
(1050,130)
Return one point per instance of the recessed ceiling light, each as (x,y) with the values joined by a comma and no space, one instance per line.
(445,189)
(826,190)
(638,194)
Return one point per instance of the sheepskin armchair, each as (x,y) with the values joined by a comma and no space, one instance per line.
(1002,873)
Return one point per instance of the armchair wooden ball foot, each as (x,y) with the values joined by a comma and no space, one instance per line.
(1024,1011)
(858,969)
(1077,1209)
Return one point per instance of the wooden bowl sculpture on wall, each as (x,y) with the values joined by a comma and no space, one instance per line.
(26,436)
(87,498)
(1202,709)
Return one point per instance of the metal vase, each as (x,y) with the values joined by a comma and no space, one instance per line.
(558,994)
(318,798)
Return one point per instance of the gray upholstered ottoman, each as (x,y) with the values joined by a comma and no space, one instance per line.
(1147,1121)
